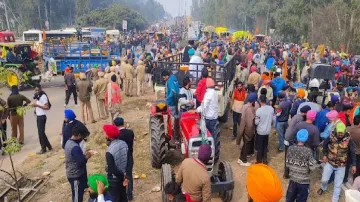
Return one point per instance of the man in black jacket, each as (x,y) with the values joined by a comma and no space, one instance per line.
(127,136)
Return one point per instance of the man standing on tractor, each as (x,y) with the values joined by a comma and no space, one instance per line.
(172,91)
(194,177)
(17,100)
(70,85)
(209,106)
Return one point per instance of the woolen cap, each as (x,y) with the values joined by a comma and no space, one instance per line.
(119,121)
(305,109)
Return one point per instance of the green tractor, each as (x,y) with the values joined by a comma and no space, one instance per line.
(19,66)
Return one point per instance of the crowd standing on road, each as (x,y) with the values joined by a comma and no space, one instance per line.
(264,96)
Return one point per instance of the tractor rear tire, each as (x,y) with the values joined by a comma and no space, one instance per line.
(225,174)
(217,143)
(166,177)
(16,73)
(158,141)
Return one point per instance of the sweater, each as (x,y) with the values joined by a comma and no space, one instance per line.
(67,130)
(290,133)
(75,161)
(116,159)
(263,118)
(299,160)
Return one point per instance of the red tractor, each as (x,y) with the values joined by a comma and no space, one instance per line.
(185,135)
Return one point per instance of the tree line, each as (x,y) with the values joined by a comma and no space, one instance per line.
(22,15)
(335,23)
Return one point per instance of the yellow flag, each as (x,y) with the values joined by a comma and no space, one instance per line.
(3,52)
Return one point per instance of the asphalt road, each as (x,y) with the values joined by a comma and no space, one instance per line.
(55,91)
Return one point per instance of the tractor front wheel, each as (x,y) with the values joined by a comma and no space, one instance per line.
(158,141)
(166,177)
(225,175)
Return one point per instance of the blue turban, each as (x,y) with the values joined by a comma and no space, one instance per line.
(119,121)
(252,97)
(334,98)
(191,52)
(302,135)
(69,114)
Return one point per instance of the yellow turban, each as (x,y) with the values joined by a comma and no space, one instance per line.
(263,184)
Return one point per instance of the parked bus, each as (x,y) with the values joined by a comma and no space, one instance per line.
(37,35)
(97,34)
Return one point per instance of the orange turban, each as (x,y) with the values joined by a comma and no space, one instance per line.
(301,93)
(265,77)
(263,184)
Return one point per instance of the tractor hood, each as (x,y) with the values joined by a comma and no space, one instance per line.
(190,125)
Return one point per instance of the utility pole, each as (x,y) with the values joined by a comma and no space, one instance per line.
(185,7)
(267,19)
(6,16)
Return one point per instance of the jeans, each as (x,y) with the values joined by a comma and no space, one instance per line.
(298,192)
(44,142)
(129,175)
(339,177)
(117,191)
(69,91)
(280,129)
(236,121)
(78,186)
(262,142)
(211,126)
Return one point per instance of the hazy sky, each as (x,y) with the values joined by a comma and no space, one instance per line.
(172,6)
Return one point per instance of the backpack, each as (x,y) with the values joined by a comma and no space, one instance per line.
(47,97)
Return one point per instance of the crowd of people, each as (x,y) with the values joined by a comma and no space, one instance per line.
(265,95)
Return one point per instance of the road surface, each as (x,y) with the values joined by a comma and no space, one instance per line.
(55,91)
